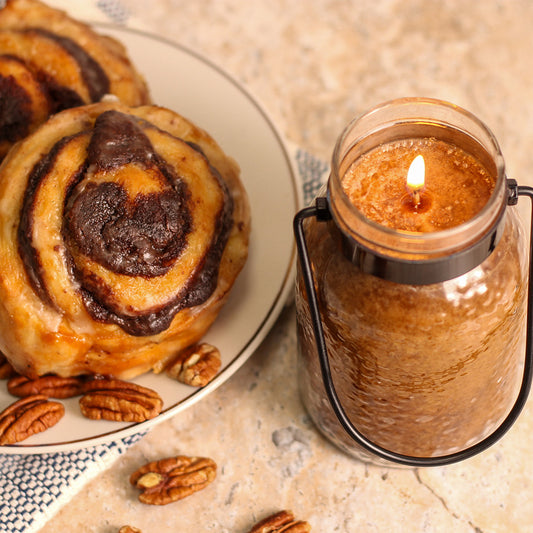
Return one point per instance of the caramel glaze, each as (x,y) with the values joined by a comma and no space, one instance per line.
(138,237)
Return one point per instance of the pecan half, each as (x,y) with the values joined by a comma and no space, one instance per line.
(6,370)
(173,479)
(196,365)
(121,401)
(51,386)
(28,416)
(281,522)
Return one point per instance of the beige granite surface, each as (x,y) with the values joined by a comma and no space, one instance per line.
(315,64)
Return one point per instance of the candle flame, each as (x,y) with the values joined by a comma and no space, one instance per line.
(417,174)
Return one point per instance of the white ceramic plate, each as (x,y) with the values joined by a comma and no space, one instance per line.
(197,89)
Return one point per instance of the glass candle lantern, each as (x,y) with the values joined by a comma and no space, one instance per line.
(412,289)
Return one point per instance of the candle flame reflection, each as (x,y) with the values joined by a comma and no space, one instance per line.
(416,174)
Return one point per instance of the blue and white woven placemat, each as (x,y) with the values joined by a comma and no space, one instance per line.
(34,487)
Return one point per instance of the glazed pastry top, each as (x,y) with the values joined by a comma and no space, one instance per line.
(122,229)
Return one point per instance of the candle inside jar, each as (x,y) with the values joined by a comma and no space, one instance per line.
(456,185)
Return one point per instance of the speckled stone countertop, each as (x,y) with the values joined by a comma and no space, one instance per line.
(315,65)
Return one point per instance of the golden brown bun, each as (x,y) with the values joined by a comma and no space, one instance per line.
(116,223)
(50,62)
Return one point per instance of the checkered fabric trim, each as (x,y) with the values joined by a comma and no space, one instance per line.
(313,174)
(34,487)
(113,9)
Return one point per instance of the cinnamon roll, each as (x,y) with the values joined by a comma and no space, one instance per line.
(122,231)
(50,62)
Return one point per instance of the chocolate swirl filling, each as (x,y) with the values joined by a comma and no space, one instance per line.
(15,110)
(140,235)
(137,238)
(93,74)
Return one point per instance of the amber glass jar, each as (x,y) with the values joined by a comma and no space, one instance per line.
(424,329)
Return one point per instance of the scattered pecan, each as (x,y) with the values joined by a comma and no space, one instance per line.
(28,416)
(6,370)
(281,522)
(121,401)
(196,365)
(51,386)
(129,529)
(172,479)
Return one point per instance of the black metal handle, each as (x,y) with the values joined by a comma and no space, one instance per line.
(321,211)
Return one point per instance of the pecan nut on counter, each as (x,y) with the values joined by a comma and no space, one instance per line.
(281,522)
(172,479)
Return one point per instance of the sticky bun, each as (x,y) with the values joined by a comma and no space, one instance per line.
(50,62)
(122,231)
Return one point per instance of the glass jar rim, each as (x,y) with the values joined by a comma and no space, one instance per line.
(414,111)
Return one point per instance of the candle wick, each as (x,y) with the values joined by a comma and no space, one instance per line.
(416,198)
